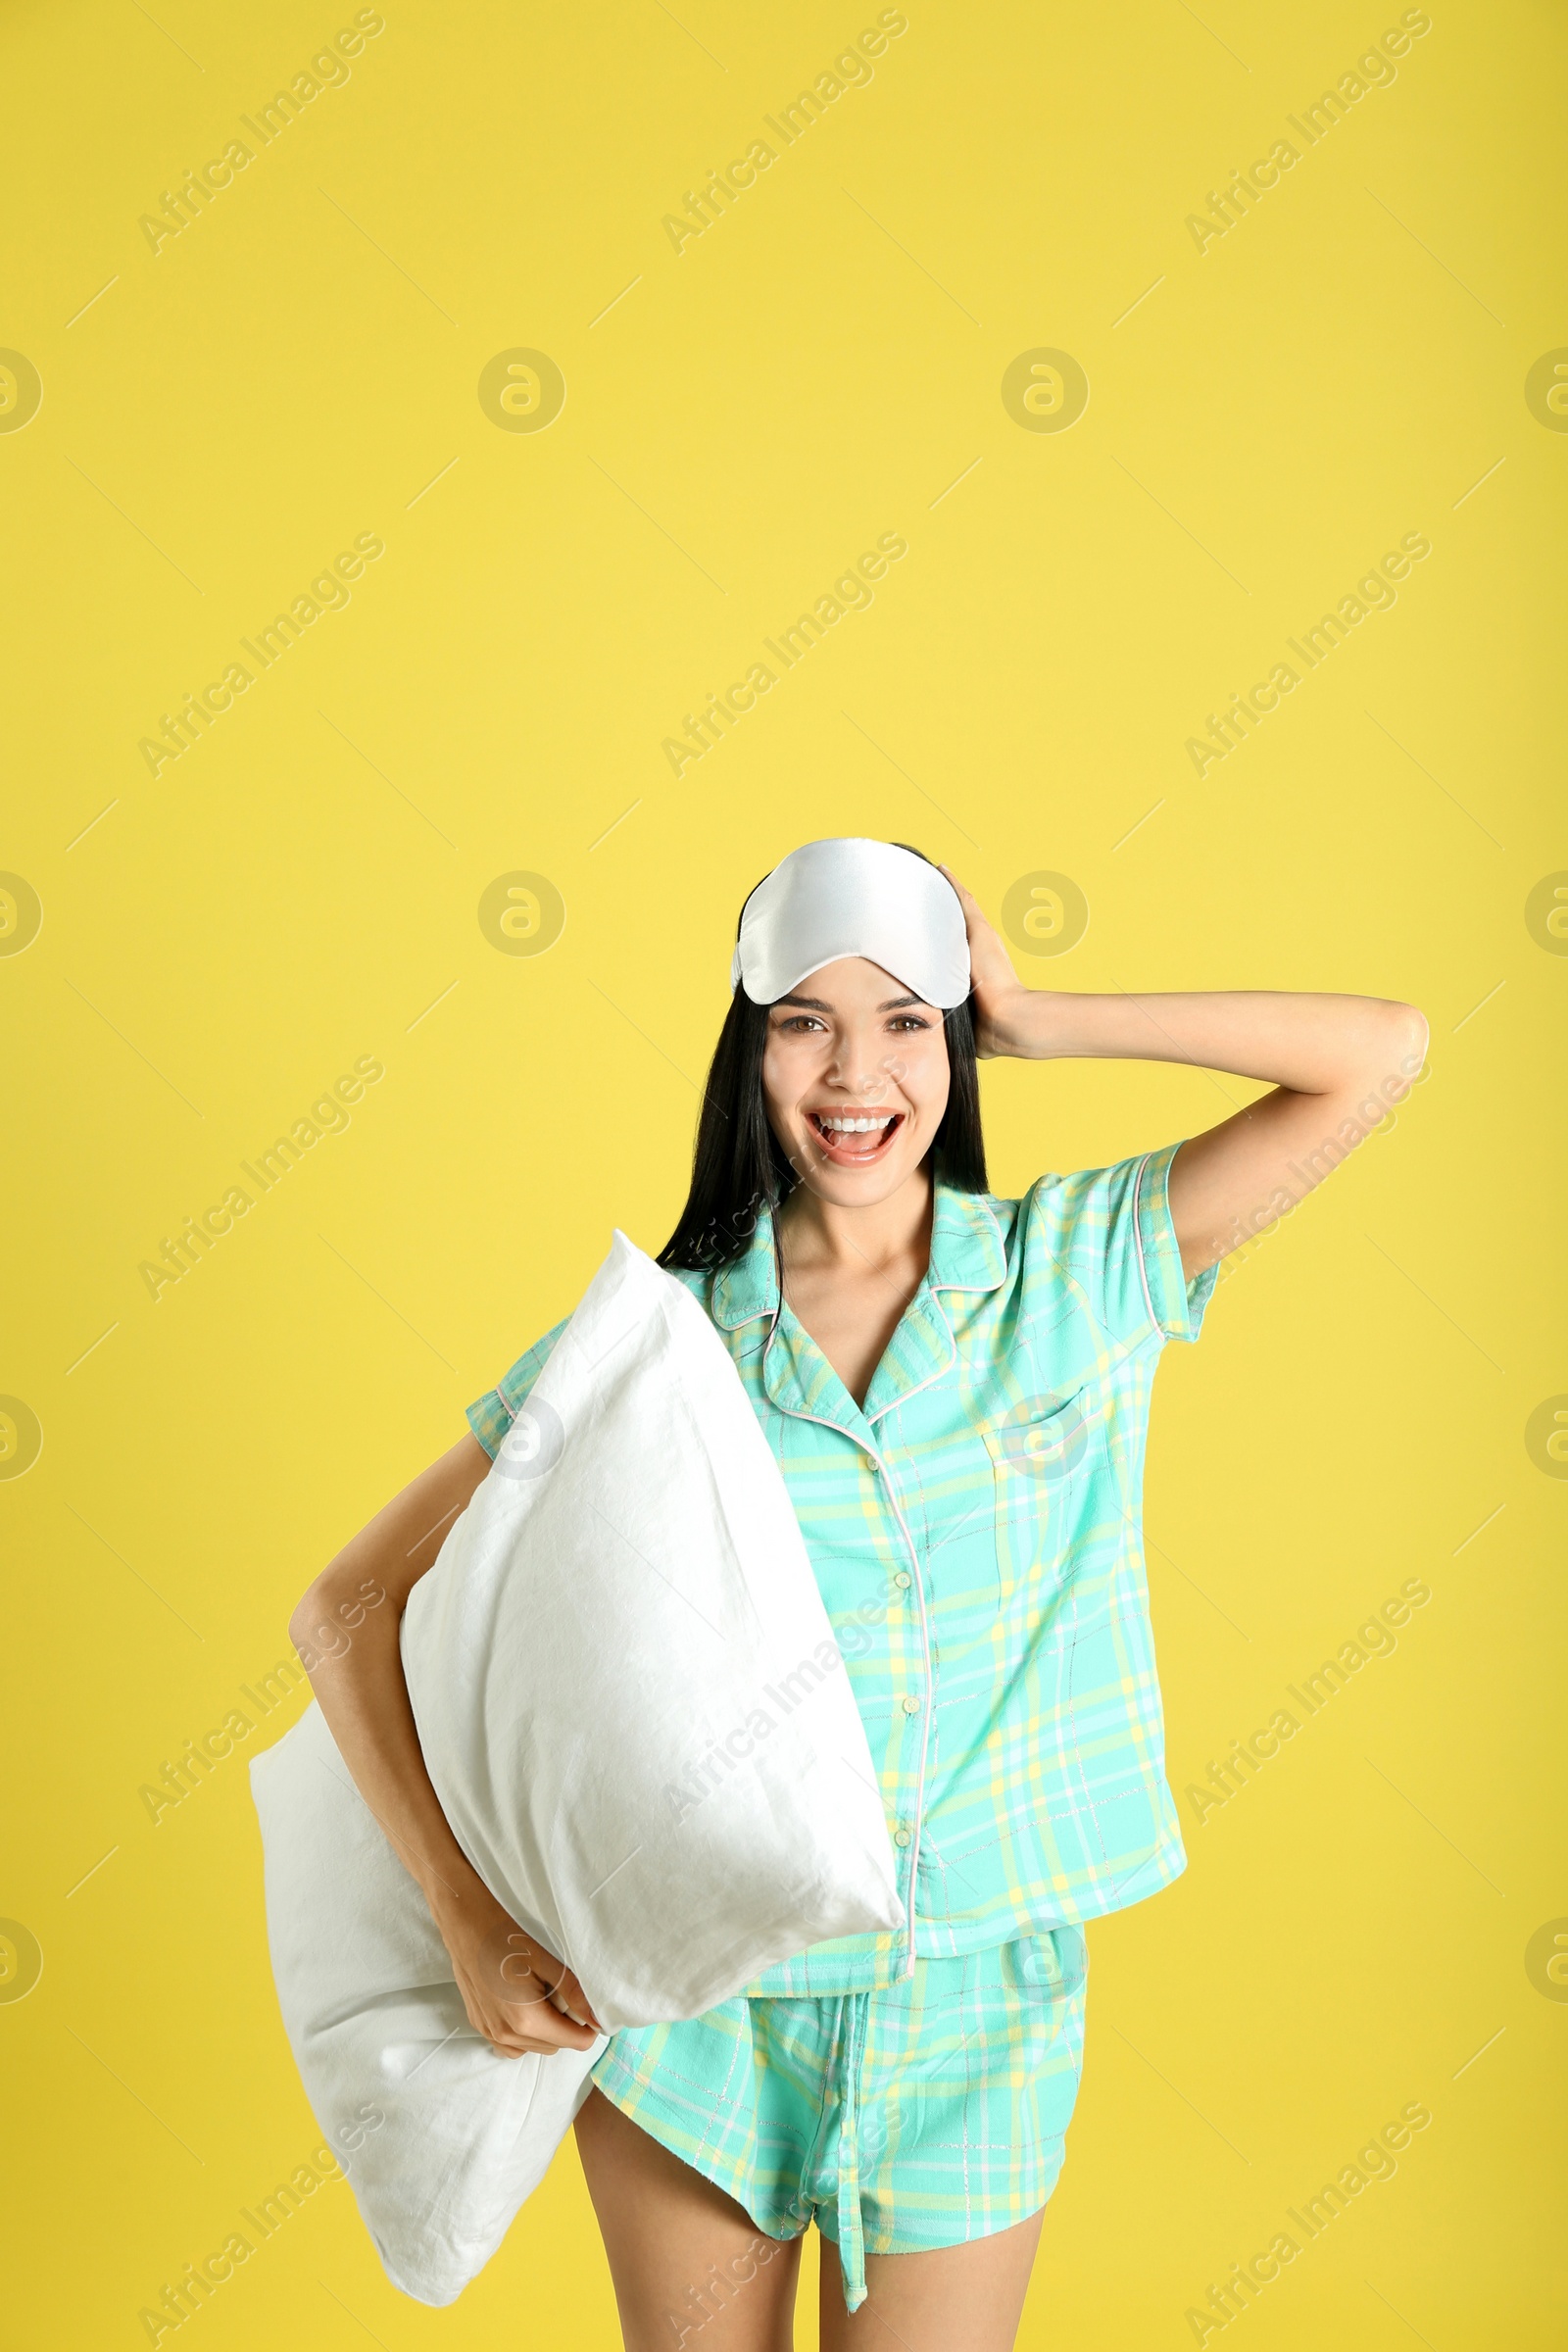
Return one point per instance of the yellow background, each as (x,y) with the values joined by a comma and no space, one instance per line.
(299,888)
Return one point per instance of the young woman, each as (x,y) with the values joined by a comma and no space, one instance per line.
(956,1390)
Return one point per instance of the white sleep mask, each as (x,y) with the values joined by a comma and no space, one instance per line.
(853,898)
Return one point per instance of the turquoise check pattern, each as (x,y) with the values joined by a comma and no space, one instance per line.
(976,1533)
(922,2115)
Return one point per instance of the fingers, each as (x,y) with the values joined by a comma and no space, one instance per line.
(569,1996)
(527,2040)
(557,2027)
(516,2028)
(561,1993)
(976,921)
(537,2031)
(557,1985)
(519,1997)
(514,1970)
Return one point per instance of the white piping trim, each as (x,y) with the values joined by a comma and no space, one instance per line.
(872,1419)
(927,1711)
(1137,1236)
(983,1201)
(886,1476)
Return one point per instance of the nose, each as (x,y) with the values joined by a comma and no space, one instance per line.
(860,1069)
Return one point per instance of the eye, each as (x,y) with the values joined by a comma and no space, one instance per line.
(800,1021)
(909,1020)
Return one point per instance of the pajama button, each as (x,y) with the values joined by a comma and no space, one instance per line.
(903,1580)
(912,1705)
(900,1837)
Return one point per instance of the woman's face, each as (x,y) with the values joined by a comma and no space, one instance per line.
(855,1075)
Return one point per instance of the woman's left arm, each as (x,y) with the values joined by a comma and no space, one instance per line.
(1339,1065)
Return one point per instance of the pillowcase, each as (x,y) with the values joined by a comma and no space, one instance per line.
(634,1713)
(626,1688)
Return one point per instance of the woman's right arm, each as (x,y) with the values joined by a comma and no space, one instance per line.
(347,1630)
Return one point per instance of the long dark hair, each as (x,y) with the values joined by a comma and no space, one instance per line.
(739,1167)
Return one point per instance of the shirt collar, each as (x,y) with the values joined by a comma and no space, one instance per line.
(967,1253)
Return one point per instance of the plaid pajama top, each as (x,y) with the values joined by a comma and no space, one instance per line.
(975,1531)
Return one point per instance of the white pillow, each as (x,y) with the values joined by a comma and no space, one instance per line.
(637,1721)
(626,1688)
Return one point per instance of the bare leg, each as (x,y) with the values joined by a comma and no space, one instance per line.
(960,2299)
(692,2271)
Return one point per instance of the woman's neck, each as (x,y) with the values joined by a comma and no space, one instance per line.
(827,1239)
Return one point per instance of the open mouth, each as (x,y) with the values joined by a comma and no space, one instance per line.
(854,1138)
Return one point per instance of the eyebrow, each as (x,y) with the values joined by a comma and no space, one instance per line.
(820,1004)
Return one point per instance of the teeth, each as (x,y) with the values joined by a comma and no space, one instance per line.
(854,1126)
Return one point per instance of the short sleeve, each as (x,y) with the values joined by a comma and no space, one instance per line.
(1175,1305)
(1107,1233)
(491,1415)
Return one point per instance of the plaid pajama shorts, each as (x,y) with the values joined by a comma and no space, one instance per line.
(924,2115)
